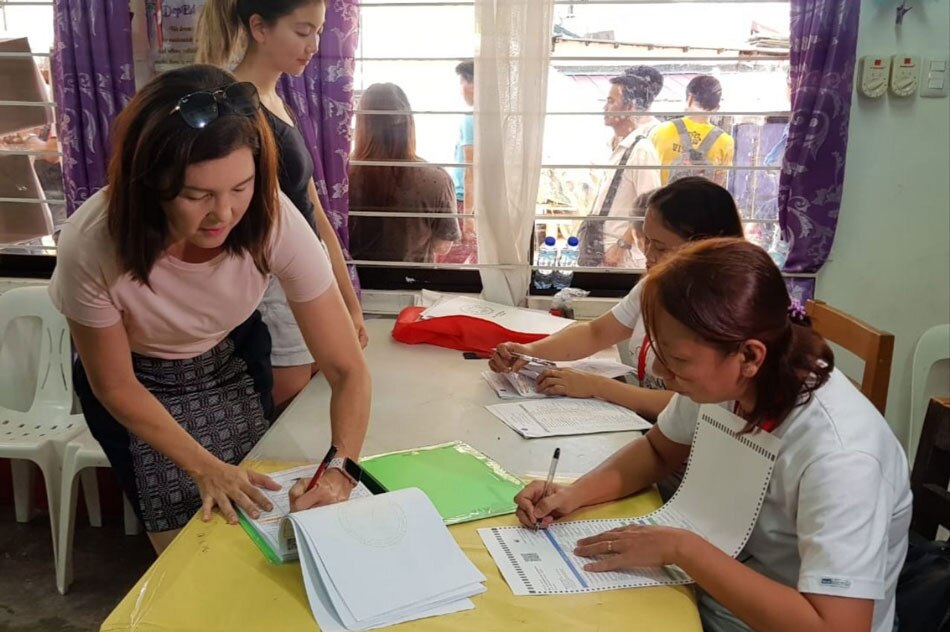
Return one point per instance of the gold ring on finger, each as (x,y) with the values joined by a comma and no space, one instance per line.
(610,546)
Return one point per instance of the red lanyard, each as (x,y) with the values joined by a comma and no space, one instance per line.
(768,425)
(642,360)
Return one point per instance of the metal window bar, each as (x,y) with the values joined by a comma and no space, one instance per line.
(576,3)
(39,104)
(763,114)
(627,58)
(540,217)
(13,200)
(30,152)
(5,55)
(462,165)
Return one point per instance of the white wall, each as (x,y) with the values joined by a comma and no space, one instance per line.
(890,263)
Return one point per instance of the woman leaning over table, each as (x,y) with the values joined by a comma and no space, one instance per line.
(831,536)
(690,209)
(276,37)
(159,275)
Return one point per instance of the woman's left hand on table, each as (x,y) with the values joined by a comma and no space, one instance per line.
(569,382)
(333,487)
(633,546)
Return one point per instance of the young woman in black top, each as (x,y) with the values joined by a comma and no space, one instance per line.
(280,36)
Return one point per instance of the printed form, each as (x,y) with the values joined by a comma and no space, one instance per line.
(566,416)
(543,563)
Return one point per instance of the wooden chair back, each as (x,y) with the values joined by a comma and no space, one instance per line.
(873,346)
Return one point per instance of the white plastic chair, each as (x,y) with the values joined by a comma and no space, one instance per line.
(932,347)
(40,434)
(82,455)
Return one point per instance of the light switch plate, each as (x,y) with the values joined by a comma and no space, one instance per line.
(935,77)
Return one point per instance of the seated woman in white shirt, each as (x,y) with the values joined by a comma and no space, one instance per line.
(684,211)
(159,276)
(831,536)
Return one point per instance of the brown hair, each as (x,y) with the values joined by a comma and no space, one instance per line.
(383,137)
(223,25)
(727,291)
(151,148)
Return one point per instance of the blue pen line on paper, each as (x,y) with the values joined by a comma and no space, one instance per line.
(570,565)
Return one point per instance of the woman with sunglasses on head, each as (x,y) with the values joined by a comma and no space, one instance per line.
(831,536)
(690,209)
(159,275)
(277,37)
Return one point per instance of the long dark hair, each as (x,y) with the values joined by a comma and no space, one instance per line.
(727,291)
(222,25)
(151,148)
(383,137)
(696,208)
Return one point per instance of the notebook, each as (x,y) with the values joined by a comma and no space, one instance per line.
(271,532)
(524,383)
(379,560)
(460,481)
(542,562)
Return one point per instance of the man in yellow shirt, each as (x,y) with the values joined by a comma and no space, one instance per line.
(691,145)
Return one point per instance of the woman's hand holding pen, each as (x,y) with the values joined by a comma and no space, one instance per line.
(333,487)
(505,358)
(534,505)
(633,546)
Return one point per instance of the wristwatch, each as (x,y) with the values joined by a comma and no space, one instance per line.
(349,468)
(624,245)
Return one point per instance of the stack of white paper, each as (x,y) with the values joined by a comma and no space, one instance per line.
(272,525)
(567,416)
(382,560)
(529,321)
(524,383)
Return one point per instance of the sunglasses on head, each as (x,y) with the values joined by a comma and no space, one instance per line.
(198,109)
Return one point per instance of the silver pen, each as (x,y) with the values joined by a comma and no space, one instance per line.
(550,479)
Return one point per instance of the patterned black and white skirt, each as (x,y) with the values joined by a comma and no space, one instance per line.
(222,398)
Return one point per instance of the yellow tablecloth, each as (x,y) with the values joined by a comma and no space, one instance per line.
(213,577)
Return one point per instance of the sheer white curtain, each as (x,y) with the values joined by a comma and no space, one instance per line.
(511,67)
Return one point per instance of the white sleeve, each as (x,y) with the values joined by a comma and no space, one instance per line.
(646,180)
(677,421)
(627,311)
(844,512)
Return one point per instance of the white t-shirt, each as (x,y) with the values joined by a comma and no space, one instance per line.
(837,512)
(633,182)
(190,307)
(627,313)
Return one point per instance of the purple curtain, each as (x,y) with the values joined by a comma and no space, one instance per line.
(322,101)
(824,36)
(93,80)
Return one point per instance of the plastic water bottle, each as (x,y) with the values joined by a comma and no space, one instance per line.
(779,252)
(547,256)
(566,263)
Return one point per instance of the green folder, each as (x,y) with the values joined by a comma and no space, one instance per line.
(461,482)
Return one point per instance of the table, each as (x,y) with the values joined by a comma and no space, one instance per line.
(212,577)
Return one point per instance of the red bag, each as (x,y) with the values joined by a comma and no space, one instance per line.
(464,333)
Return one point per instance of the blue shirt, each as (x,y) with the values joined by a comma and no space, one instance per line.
(777,153)
(466,137)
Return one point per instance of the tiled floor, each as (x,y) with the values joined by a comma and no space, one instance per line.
(106,564)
